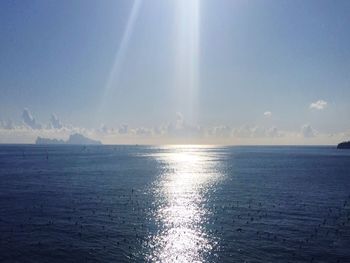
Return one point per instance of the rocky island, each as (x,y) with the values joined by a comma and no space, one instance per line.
(74,139)
(344,145)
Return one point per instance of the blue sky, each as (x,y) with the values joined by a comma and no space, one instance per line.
(172,71)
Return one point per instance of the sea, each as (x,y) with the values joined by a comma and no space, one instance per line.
(61,203)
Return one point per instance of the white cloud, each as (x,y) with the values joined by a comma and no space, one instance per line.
(268,114)
(273,132)
(242,132)
(318,105)
(248,131)
(179,120)
(143,131)
(55,122)
(176,131)
(124,129)
(26,134)
(29,120)
(159,130)
(308,131)
(180,128)
(221,131)
(7,125)
(104,129)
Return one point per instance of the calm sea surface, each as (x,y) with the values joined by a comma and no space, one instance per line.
(174,204)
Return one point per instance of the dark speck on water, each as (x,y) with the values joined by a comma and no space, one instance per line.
(174,204)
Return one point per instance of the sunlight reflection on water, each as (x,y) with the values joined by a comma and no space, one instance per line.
(181,213)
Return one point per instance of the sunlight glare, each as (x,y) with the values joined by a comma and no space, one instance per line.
(182,215)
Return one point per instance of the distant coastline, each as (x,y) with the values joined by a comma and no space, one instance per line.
(344,145)
(74,139)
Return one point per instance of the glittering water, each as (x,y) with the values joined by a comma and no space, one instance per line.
(181,194)
(174,204)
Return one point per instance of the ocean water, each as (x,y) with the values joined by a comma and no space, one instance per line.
(174,204)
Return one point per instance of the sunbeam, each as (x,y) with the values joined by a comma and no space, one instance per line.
(187,55)
(119,57)
(112,80)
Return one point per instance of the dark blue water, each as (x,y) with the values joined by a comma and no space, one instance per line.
(174,204)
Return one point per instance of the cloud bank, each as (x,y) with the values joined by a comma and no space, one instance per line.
(174,131)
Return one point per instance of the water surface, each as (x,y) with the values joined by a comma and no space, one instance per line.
(174,204)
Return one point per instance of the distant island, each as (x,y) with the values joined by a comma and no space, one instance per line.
(74,139)
(344,145)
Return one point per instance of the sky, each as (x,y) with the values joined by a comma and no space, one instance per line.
(185,71)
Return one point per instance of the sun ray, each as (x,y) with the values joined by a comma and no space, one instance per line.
(113,76)
(187,54)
